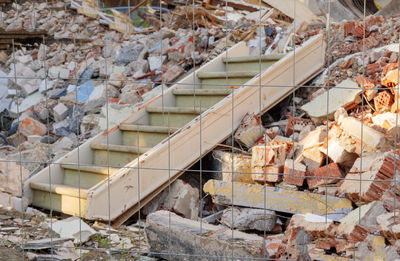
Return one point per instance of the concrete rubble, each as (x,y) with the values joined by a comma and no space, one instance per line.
(313,178)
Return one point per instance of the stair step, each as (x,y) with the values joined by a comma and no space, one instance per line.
(178,116)
(251,63)
(115,155)
(149,136)
(253,58)
(224,80)
(85,176)
(66,199)
(207,97)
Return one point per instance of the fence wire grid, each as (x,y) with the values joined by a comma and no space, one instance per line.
(111,162)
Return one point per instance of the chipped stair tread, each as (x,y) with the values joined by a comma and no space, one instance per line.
(60,189)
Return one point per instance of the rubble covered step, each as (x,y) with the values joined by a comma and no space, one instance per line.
(115,155)
(61,198)
(169,233)
(288,201)
(251,63)
(172,116)
(220,80)
(85,176)
(196,97)
(144,135)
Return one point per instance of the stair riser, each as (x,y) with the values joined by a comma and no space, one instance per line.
(146,139)
(250,66)
(112,158)
(61,203)
(175,119)
(84,178)
(222,83)
(206,100)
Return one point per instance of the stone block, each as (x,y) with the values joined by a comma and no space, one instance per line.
(60,112)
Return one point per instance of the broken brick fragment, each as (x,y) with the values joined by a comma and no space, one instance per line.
(377,173)
(296,125)
(389,226)
(346,64)
(372,68)
(294,173)
(249,130)
(369,85)
(324,175)
(30,126)
(383,100)
(360,32)
(352,232)
(268,174)
(349,28)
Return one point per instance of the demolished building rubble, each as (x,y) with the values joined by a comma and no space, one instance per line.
(313,178)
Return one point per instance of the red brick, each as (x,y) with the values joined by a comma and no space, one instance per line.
(349,28)
(352,232)
(321,176)
(359,31)
(368,84)
(369,43)
(372,68)
(294,173)
(384,99)
(31,126)
(346,64)
(378,173)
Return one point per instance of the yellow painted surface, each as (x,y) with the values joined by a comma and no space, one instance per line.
(252,195)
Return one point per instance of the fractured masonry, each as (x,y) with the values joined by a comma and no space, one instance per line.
(253,195)
(370,180)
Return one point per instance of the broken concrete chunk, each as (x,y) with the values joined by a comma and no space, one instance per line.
(324,175)
(30,126)
(249,130)
(173,73)
(248,195)
(10,177)
(346,95)
(375,139)
(294,173)
(366,216)
(168,233)
(73,227)
(249,219)
(241,166)
(338,153)
(60,112)
(181,198)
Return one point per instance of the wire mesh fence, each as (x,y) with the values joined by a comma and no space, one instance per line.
(203,130)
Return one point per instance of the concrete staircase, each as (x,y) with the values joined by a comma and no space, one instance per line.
(104,178)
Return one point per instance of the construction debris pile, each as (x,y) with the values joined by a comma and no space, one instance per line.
(313,178)
(62,89)
(321,182)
